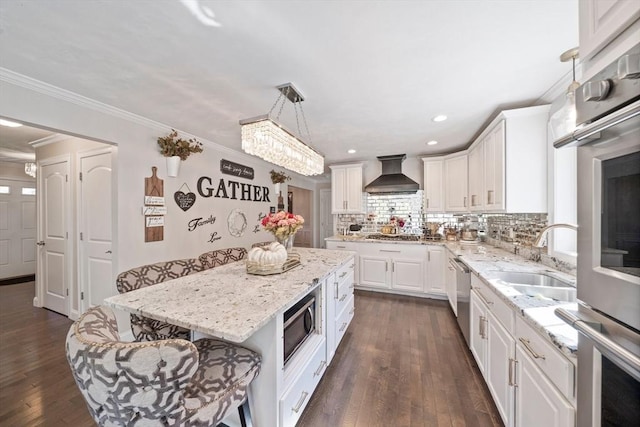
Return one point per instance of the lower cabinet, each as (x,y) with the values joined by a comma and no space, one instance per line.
(539,402)
(435,275)
(530,381)
(340,305)
(451,284)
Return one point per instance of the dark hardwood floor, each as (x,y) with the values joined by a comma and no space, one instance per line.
(403,362)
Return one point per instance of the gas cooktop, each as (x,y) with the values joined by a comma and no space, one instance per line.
(406,237)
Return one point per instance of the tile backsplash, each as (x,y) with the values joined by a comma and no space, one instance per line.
(512,232)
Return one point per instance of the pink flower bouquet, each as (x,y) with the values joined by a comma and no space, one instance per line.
(282,224)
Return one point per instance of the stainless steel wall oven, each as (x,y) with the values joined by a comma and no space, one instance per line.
(608,280)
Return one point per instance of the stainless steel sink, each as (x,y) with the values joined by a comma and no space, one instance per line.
(531,279)
(567,294)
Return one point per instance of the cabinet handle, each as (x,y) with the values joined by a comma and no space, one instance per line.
(343,327)
(386,250)
(319,370)
(512,372)
(481,326)
(341,247)
(486,326)
(484,300)
(303,397)
(427,203)
(393,266)
(464,202)
(342,298)
(489,197)
(473,200)
(386,266)
(344,274)
(335,294)
(527,344)
(429,256)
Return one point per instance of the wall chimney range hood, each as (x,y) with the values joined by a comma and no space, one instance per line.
(392,180)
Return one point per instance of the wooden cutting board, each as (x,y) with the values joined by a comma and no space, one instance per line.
(153,186)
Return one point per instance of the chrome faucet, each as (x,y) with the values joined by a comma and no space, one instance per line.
(536,243)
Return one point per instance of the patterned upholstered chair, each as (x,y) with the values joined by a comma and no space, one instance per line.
(144,328)
(161,383)
(222,256)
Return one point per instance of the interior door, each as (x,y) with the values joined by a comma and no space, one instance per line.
(17,228)
(54,234)
(95,245)
(326,218)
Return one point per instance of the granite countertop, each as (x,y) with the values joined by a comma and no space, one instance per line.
(538,312)
(225,301)
(363,239)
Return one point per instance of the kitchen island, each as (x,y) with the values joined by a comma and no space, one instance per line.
(227,303)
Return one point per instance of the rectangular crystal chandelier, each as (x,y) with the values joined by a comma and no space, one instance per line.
(264,137)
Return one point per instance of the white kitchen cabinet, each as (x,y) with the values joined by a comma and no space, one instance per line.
(433,184)
(456,182)
(602,21)
(346,189)
(538,403)
(340,305)
(476,177)
(451,284)
(507,163)
(531,382)
(374,271)
(347,246)
(407,274)
(500,358)
(436,261)
(478,332)
(494,182)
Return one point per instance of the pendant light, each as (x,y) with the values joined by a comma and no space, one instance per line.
(563,121)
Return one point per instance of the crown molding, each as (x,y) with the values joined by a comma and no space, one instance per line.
(48,140)
(17,79)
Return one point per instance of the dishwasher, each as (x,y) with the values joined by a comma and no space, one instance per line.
(463,295)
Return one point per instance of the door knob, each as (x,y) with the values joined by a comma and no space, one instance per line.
(40,243)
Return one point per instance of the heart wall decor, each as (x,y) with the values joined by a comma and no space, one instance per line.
(184,200)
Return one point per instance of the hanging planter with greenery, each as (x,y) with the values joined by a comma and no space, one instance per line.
(176,149)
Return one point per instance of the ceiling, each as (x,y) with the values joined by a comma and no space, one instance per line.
(373,73)
(14,143)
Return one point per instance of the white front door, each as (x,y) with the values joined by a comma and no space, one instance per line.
(95,245)
(17,228)
(326,218)
(53,253)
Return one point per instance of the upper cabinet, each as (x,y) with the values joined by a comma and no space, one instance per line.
(456,182)
(602,21)
(346,188)
(508,163)
(433,184)
(476,176)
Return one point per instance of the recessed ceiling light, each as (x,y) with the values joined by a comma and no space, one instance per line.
(351,151)
(439,118)
(432,142)
(9,124)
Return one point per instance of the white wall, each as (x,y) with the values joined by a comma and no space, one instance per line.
(44,106)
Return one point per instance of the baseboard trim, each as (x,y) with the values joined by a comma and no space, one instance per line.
(19,279)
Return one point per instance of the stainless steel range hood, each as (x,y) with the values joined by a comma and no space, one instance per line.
(392,180)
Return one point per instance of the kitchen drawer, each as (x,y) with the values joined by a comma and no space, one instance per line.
(500,309)
(345,270)
(400,250)
(342,246)
(344,319)
(344,293)
(559,370)
(296,397)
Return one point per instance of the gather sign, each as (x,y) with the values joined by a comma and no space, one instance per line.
(232,190)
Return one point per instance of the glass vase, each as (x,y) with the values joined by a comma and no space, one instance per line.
(287,242)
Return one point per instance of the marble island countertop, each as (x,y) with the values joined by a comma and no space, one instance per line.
(538,311)
(363,239)
(225,301)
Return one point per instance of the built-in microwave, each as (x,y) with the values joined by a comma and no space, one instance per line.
(299,324)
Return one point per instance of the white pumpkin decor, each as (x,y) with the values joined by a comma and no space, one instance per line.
(274,254)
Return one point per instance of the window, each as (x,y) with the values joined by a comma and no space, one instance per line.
(28,191)
(5,189)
